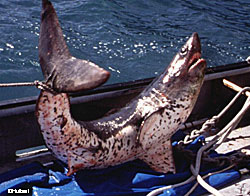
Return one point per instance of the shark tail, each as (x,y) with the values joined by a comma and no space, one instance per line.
(62,71)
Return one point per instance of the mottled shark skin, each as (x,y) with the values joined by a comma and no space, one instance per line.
(140,130)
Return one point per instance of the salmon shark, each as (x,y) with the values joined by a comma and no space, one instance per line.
(140,130)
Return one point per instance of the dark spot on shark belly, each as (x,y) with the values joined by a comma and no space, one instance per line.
(115,154)
(160,122)
(128,142)
(64,122)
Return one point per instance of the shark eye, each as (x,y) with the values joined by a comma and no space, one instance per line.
(183,51)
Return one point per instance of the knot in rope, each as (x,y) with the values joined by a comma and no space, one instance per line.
(43,86)
(36,83)
(208,126)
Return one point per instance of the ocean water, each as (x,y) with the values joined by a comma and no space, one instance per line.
(132,39)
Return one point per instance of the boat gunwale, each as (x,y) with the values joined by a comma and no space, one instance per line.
(211,73)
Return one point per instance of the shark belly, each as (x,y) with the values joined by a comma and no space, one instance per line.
(76,146)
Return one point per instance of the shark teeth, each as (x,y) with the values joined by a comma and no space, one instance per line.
(194,60)
(196,63)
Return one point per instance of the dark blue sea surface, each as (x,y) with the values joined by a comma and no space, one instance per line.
(132,39)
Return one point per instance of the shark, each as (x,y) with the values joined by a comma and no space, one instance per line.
(140,130)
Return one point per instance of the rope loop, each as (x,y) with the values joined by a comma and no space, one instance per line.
(248,60)
(44,87)
(203,152)
(40,85)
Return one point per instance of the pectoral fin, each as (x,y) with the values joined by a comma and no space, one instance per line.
(151,129)
(155,140)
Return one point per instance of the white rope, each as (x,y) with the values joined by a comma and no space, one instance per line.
(205,185)
(36,83)
(204,177)
(219,137)
(248,60)
(160,190)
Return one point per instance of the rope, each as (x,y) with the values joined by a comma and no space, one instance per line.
(229,127)
(209,174)
(210,123)
(36,83)
(248,60)
(217,139)
(160,190)
(205,185)
(19,84)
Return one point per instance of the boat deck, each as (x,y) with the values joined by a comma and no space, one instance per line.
(239,140)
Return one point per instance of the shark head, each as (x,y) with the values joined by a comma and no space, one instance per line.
(185,74)
(179,83)
(187,63)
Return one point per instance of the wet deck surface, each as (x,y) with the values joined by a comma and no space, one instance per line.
(239,140)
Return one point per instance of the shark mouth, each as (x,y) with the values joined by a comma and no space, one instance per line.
(195,61)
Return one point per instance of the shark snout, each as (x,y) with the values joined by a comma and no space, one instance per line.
(195,42)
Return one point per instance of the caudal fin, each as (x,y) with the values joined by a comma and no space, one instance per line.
(62,71)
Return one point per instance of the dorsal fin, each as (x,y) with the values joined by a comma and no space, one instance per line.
(62,71)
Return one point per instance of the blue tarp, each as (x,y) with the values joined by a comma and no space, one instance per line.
(132,178)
